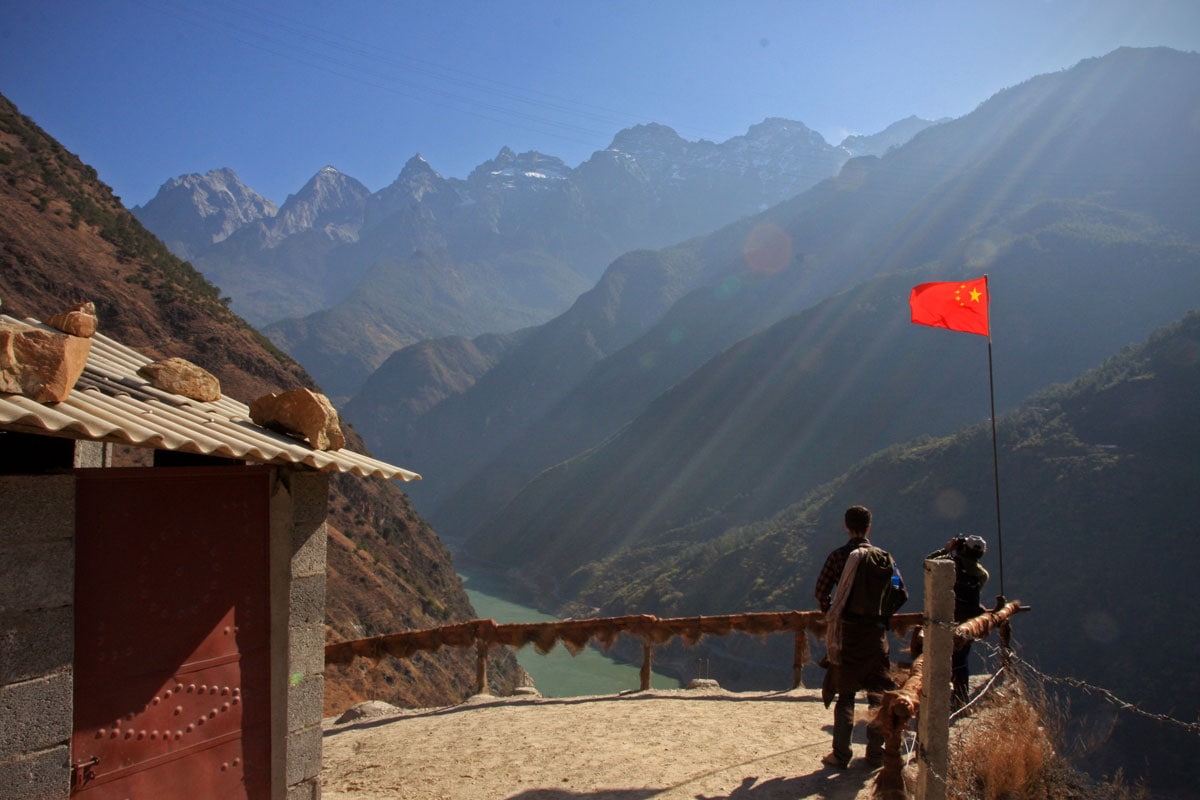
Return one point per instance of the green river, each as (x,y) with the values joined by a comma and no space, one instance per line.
(558,673)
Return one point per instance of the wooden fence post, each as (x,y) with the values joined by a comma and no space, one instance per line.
(647,664)
(933,721)
(799,656)
(481,659)
(1006,644)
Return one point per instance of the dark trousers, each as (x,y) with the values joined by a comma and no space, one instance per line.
(843,726)
(960,676)
(864,667)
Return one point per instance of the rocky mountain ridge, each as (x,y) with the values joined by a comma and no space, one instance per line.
(330,202)
(782,152)
(533,231)
(192,212)
(894,135)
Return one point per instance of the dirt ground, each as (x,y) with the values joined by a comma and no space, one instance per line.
(700,744)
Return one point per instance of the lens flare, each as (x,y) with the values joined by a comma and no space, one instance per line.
(767,249)
(950,504)
(728,287)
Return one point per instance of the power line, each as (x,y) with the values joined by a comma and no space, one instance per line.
(416,79)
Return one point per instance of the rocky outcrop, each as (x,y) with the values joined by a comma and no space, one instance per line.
(41,365)
(180,376)
(303,413)
(79,321)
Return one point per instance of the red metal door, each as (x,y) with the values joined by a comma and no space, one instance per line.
(172,634)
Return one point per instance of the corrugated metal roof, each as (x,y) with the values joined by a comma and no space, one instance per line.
(112,403)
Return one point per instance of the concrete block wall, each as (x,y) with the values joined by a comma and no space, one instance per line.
(298,518)
(37,631)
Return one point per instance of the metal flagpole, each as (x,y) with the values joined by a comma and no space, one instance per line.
(995,457)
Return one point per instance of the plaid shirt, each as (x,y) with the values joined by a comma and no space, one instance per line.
(831,573)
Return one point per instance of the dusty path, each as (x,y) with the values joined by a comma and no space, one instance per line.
(699,744)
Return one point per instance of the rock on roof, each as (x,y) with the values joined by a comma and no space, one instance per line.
(112,403)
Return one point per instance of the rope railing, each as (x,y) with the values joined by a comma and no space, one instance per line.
(893,718)
(575,634)
(898,709)
(997,619)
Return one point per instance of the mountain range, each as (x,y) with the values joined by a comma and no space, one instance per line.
(340,277)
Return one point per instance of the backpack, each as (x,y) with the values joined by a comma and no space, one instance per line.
(874,595)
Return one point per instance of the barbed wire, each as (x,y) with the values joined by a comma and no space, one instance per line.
(1075,683)
(1011,663)
(979,695)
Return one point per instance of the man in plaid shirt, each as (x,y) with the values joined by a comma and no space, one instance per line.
(864,651)
(836,561)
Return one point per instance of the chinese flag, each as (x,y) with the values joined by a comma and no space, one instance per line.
(957,305)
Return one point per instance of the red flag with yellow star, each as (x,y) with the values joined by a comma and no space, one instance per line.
(956,305)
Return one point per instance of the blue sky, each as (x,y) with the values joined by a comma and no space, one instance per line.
(148,90)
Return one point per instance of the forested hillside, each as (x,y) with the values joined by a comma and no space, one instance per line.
(791,407)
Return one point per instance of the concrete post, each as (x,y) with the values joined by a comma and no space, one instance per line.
(933,722)
(299,503)
(92,455)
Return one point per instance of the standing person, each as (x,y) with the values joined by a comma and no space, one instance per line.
(969,579)
(868,590)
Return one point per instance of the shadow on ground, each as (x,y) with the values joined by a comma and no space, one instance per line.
(820,784)
(823,784)
(606,794)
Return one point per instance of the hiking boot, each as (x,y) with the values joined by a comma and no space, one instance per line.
(832,760)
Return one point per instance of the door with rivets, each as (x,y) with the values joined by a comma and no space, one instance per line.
(172,634)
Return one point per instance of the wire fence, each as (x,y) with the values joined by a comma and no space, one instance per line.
(1006,667)
(1108,696)
(1028,671)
